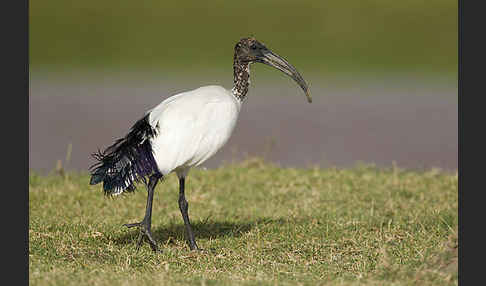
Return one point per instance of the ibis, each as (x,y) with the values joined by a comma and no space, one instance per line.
(181,132)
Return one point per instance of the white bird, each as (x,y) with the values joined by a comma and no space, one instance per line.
(181,132)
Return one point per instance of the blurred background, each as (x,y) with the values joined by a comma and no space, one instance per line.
(383,75)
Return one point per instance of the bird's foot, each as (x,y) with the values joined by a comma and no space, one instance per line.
(199,250)
(144,228)
(195,248)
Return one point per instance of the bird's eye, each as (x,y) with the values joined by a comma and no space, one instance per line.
(253,47)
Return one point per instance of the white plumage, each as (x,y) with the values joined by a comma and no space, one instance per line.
(181,132)
(207,117)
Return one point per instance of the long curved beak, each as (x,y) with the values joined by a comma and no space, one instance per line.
(276,61)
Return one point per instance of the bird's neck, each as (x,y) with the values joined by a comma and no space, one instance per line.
(241,81)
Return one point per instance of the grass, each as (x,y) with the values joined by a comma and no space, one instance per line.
(259,224)
(197,36)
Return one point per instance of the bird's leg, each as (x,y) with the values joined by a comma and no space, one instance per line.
(183,206)
(146,224)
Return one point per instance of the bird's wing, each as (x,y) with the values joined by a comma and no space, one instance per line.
(190,129)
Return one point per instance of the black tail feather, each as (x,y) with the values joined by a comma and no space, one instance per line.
(127,161)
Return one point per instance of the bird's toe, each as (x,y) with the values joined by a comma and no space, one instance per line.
(130,225)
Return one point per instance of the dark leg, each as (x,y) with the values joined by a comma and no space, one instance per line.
(146,224)
(183,206)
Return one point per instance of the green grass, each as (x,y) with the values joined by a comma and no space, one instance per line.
(322,37)
(258,223)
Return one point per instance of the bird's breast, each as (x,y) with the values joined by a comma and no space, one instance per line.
(215,130)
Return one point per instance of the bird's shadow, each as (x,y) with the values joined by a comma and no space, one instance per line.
(202,230)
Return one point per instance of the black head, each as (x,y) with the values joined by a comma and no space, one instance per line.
(249,50)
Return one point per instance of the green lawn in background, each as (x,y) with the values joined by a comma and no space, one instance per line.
(319,37)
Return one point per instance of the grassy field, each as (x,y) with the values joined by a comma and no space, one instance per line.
(322,37)
(258,224)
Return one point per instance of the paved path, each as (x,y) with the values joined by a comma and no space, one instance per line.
(413,124)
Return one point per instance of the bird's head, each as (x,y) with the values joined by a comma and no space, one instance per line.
(249,50)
